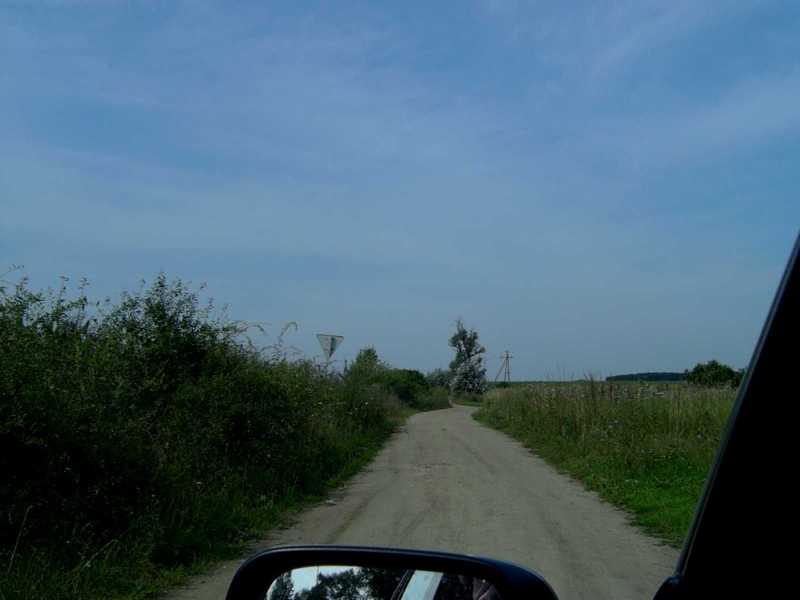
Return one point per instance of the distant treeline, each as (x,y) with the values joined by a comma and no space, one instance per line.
(658,376)
(712,374)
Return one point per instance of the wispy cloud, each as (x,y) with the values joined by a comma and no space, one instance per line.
(512,163)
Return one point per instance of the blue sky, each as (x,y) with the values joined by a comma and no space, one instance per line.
(596,189)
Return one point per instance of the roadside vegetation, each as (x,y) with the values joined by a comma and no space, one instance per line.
(646,447)
(141,438)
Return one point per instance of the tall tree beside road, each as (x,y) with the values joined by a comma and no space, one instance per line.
(467,368)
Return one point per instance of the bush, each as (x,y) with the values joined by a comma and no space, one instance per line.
(408,385)
(435,398)
(145,434)
(438,378)
(714,374)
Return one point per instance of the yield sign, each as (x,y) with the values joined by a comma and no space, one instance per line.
(329,343)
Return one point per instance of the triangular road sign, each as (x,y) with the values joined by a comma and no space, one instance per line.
(329,343)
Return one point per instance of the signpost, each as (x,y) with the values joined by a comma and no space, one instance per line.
(329,343)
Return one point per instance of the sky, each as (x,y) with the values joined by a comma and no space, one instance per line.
(596,188)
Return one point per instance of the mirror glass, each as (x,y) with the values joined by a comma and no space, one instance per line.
(362,583)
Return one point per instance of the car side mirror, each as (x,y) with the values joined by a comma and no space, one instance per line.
(357,573)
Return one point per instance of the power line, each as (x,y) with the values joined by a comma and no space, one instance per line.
(505,367)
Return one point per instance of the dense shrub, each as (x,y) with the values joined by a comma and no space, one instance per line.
(714,373)
(408,385)
(147,432)
(434,398)
(438,378)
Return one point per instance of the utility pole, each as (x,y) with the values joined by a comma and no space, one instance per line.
(505,367)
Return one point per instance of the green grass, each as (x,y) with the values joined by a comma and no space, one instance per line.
(644,447)
(467,401)
(435,398)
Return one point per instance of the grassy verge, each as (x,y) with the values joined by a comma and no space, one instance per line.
(467,401)
(141,440)
(433,399)
(644,447)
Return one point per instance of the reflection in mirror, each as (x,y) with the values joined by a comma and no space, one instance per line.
(362,583)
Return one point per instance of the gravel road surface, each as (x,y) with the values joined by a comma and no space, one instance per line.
(446,482)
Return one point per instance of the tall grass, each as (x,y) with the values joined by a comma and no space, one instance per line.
(142,437)
(645,446)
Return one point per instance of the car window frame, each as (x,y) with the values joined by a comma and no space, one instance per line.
(720,548)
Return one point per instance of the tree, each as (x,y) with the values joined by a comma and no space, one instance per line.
(714,373)
(367,368)
(468,375)
(347,585)
(367,360)
(344,585)
(283,588)
(382,583)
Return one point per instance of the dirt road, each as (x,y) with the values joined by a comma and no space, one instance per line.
(445,482)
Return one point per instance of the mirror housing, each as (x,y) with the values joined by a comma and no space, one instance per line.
(256,575)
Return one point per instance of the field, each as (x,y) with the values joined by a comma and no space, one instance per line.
(646,447)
